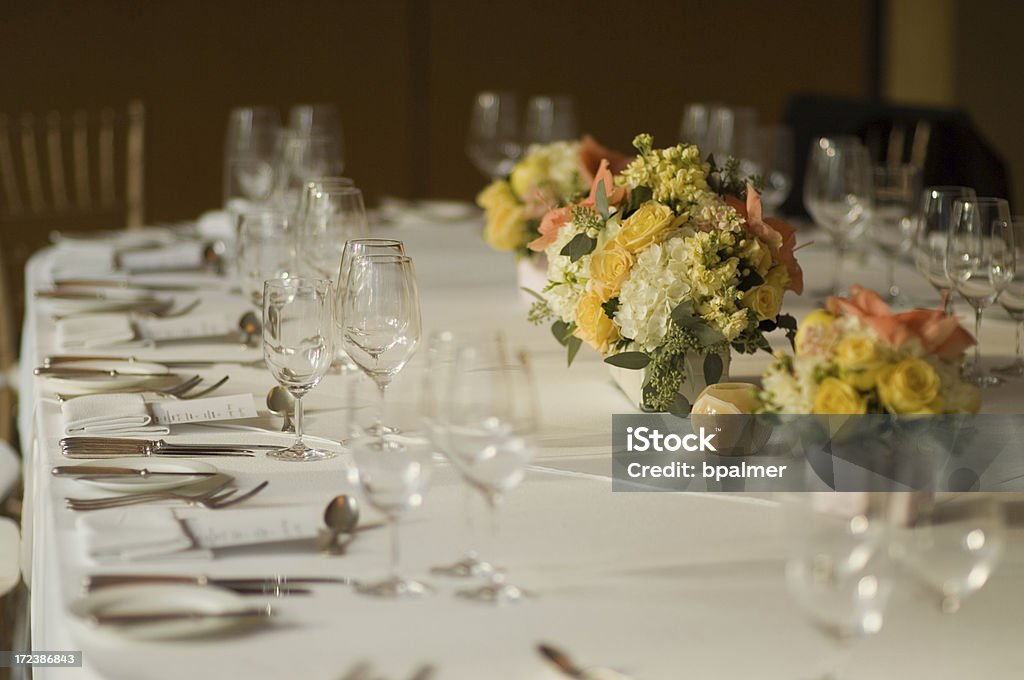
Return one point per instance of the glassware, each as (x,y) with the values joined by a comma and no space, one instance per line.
(837,569)
(693,129)
(334,213)
(491,421)
(380,319)
(896,192)
(837,193)
(980,262)
(1012,300)
(298,347)
(954,547)
(266,250)
(393,477)
(731,131)
(300,156)
(931,234)
(314,184)
(550,119)
(772,159)
(435,406)
(494,141)
(249,149)
(322,121)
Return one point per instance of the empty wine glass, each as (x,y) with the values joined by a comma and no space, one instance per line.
(932,232)
(300,156)
(693,129)
(380,319)
(334,213)
(896,192)
(297,346)
(772,159)
(249,149)
(494,142)
(731,132)
(550,119)
(837,193)
(435,407)
(1012,300)
(491,421)
(953,547)
(266,250)
(837,570)
(319,120)
(980,263)
(314,184)
(394,477)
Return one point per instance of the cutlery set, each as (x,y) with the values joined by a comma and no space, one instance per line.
(214,499)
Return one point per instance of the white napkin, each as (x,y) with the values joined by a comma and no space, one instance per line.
(219,225)
(94,330)
(135,533)
(109,414)
(177,256)
(81,258)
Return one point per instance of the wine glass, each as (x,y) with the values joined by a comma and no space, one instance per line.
(318,119)
(314,184)
(334,213)
(434,409)
(297,346)
(380,319)
(731,131)
(550,119)
(393,476)
(266,251)
(693,129)
(249,148)
(896,192)
(932,232)
(491,421)
(301,156)
(494,143)
(1012,300)
(837,193)
(837,569)
(772,158)
(954,547)
(980,262)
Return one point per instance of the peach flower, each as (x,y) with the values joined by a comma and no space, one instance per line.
(591,155)
(778,235)
(554,220)
(939,334)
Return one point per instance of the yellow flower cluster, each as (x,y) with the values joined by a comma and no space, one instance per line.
(675,174)
(505,216)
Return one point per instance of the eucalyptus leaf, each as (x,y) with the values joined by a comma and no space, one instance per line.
(601,199)
(561,331)
(631,360)
(683,311)
(639,196)
(680,406)
(713,367)
(580,245)
(573,344)
(705,334)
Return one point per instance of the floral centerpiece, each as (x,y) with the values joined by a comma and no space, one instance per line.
(665,268)
(549,176)
(858,357)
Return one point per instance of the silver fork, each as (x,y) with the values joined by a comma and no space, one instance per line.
(180,391)
(217,493)
(167,314)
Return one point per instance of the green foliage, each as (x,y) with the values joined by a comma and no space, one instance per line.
(631,360)
(713,368)
(540,311)
(573,345)
(580,245)
(601,200)
(610,307)
(639,196)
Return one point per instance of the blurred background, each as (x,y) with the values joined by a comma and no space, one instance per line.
(402,74)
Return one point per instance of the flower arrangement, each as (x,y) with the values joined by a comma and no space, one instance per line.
(548,176)
(857,356)
(665,262)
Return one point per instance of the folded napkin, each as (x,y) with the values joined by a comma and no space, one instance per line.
(135,533)
(109,414)
(219,225)
(82,258)
(94,330)
(187,255)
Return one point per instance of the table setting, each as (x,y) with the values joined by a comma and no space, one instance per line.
(297,436)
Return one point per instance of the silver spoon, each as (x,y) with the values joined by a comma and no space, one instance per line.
(251,328)
(341,516)
(281,403)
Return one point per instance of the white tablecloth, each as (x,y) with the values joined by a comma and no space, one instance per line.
(661,585)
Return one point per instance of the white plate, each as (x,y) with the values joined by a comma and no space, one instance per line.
(147,598)
(153,464)
(108,300)
(105,383)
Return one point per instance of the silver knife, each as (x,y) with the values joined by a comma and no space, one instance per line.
(73,372)
(102,471)
(122,285)
(54,360)
(137,618)
(97,581)
(93,454)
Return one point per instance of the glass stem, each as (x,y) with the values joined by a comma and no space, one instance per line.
(492,506)
(891,276)
(1020,344)
(298,423)
(947,301)
(395,553)
(471,534)
(382,389)
(977,340)
(837,276)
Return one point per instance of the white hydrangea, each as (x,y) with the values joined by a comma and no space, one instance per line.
(789,392)
(567,279)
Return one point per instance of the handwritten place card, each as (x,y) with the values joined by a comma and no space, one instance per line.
(254,525)
(190,326)
(231,407)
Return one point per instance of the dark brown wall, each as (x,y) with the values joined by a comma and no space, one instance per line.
(403,71)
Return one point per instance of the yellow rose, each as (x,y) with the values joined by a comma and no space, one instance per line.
(758,254)
(816,334)
(609,267)
(765,300)
(858,361)
(911,386)
(498,194)
(528,174)
(644,226)
(505,227)
(592,324)
(836,397)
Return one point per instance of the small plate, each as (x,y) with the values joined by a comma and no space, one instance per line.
(106,383)
(159,598)
(153,464)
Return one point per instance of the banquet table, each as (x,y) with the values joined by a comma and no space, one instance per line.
(658,585)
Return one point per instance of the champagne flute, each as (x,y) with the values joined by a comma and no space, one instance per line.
(837,570)
(334,213)
(980,263)
(1012,301)
(550,119)
(896,191)
(491,421)
(380,319)
(494,143)
(393,477)
(249,148)
(837,193)
(931,234)
(297,346)
(266,251)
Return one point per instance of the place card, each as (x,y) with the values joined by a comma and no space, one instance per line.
(251,526)
(176,412)
(189,326)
